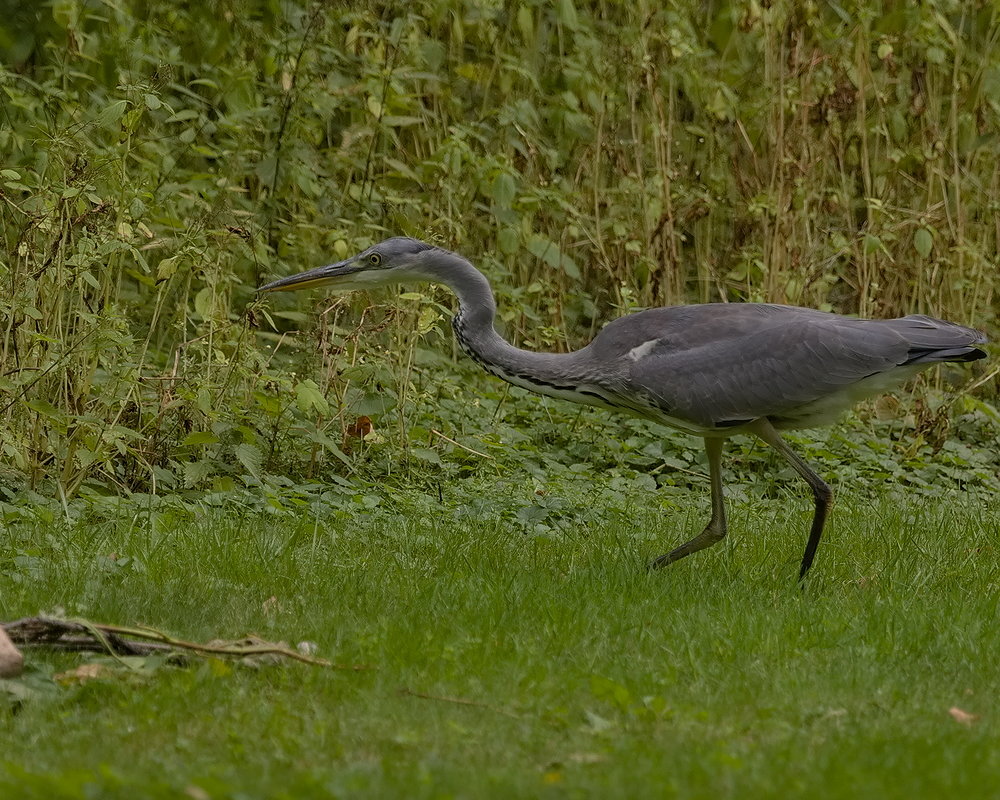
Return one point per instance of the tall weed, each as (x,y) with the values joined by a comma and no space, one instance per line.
(159,161)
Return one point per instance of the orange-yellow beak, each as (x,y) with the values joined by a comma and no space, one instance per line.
(320,276)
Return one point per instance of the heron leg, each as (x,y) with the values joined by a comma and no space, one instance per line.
(716,528)
(822,493)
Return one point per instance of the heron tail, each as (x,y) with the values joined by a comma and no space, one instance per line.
(934,340)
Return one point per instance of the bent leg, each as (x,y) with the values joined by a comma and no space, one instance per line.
(716,528)
(822,493)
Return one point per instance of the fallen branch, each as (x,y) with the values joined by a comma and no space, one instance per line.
(86,636)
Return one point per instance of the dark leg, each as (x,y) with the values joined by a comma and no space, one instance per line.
(716,528)
(822,493)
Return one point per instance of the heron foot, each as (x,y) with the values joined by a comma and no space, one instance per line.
(659,562)
(714,532)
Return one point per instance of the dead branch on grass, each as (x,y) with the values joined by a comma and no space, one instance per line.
(85,636)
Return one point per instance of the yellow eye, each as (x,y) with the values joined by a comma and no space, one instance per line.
(375,259)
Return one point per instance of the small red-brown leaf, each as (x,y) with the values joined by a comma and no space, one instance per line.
(361,428)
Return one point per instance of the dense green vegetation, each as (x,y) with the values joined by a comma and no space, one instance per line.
(160,161)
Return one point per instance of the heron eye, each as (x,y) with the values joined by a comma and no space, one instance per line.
(375,259)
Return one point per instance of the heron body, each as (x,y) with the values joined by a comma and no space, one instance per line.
(712,370)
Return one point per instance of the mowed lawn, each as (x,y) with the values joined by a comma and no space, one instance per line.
(507,665)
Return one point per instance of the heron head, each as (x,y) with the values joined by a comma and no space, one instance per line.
(396,260)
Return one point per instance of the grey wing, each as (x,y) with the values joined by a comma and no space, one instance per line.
(784,366)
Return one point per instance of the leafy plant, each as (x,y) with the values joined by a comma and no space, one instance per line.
(158,162)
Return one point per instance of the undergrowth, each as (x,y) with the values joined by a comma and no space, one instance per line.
(160,161)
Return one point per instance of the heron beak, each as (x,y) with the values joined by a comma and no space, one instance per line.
(320,276)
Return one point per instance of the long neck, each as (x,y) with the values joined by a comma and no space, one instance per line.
(545,373)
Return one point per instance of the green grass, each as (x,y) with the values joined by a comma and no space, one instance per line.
(715,678)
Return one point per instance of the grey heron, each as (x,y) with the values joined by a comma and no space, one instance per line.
(713,370)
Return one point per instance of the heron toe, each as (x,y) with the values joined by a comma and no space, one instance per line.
(714,532)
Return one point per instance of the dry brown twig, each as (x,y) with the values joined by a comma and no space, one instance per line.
(115,640)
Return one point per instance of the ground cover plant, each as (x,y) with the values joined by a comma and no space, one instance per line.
(175,452)
(517,644)
(512,664)
(161,162)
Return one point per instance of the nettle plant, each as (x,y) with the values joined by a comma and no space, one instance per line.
(158,164)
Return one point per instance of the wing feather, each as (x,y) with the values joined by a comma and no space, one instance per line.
(719,363)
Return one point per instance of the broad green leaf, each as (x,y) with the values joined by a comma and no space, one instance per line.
(509,240)
(425,454)
(166,268)
(374,404)
(549,252)
(112,113)
(395,121)
(428,319)
(85,457)
(183,115)
(250,457)
(44,407)
(526,24)
(923,242)
(308,397)
(200,438)
(566,12)
(328,444)
(975,404)
(293,316)
(203,303)
(402,169)
(132,118)
(196,471)
(66,13)
(433,53)
(503,189)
